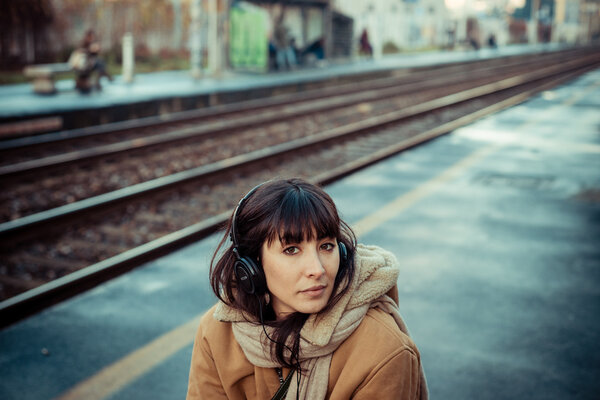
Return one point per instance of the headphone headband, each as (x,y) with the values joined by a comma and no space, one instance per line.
(233,234)
(248,273)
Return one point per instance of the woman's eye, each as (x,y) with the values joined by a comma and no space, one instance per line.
(291,250)
(327,246)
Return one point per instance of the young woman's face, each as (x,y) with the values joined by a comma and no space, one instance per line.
(300,276)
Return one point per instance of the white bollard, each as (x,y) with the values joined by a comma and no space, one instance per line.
(128,58)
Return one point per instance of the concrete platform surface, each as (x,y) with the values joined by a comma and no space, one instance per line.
(496,227)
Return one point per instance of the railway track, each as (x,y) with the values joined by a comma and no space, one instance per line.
(116,231)
(69,176)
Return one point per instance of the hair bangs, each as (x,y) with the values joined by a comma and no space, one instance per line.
(303,216)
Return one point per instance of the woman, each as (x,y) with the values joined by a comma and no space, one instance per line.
(303,309)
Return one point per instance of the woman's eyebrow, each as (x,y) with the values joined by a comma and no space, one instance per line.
(285,242)
(328,237)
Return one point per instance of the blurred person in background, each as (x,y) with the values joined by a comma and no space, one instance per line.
(365,44)
(285,55)
(492,41)
(87,64)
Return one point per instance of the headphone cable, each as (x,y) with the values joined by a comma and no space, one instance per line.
(292,353)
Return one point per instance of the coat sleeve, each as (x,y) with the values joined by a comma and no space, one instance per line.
(397,377)
(204,381)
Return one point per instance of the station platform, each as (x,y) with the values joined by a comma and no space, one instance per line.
(496,229)
(171,91)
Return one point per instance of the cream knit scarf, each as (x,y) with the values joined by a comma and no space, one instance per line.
(376,273)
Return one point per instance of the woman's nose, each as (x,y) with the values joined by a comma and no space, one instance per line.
(314,266)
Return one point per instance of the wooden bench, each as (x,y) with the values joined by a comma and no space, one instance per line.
(43,76)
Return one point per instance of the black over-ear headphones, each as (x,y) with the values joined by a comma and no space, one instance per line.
(250,276)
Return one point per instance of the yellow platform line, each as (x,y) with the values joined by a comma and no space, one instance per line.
(116,376)
(397,206)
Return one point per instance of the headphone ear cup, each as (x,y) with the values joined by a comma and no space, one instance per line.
(250,277)
(343,252)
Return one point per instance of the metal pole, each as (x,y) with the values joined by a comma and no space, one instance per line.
(196,45)
(533,22)
(213,39)
(328,32)
(559,19)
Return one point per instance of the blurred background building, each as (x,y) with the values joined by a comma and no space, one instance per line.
(242,34)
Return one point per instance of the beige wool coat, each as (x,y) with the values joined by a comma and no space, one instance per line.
(377,361)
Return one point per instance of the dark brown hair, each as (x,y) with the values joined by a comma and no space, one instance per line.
(291,210)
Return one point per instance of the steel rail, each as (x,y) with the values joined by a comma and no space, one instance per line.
(35,300)
(416,75)
(219,127)
(13,231)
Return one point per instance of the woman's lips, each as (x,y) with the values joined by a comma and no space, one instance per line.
(315,291)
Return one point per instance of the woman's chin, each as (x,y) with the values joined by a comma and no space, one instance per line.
(312,308)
